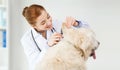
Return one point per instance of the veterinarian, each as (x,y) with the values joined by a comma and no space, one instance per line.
(44,32)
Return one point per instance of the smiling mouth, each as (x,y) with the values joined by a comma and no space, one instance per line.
(49,27)
(93,54)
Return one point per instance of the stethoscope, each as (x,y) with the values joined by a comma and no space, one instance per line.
(52,30)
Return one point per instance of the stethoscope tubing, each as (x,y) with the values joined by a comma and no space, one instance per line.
(35,41)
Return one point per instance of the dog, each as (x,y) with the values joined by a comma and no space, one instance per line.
(72,52)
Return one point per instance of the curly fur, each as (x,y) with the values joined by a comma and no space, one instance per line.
(71,52)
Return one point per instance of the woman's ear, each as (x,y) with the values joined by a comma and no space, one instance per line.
(32,25)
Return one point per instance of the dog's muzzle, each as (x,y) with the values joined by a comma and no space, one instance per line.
(93,54)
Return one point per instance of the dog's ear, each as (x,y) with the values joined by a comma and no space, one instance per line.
(64,28)
(80,48)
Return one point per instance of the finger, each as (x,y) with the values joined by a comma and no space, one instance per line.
(56,34)
(56,42)
(70,21)
(67,19)
(57,39)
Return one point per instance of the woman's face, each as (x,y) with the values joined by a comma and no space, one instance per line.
(43,22)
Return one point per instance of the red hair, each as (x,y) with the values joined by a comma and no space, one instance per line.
(32,12)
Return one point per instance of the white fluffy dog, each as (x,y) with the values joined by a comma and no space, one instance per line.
(71,52)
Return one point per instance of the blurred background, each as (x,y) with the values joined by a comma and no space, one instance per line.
(103,16)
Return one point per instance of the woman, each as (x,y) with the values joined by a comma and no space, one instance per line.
(44,32)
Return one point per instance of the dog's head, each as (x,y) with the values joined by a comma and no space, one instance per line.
(82,38)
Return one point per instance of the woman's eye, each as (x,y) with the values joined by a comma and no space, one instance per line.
(42,23)
(48,16)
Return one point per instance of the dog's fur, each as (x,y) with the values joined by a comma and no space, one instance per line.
(71,52)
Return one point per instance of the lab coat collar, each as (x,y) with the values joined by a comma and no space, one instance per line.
(35,33)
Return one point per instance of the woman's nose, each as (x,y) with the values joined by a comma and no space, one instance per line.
(49,22)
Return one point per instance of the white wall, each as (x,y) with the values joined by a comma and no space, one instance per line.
(102,15)
(17,60)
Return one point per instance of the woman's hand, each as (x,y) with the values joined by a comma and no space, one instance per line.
(54,39)
(70,21)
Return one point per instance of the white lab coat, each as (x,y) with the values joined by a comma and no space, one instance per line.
(30,49)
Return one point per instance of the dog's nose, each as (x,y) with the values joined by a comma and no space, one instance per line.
(98,43)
